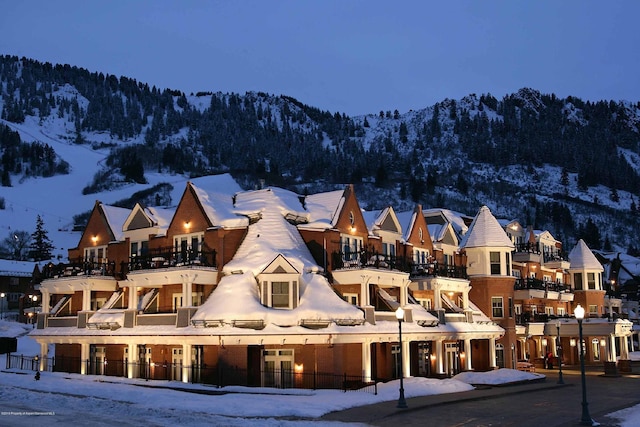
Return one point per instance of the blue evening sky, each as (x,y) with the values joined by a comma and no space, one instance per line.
(351,56)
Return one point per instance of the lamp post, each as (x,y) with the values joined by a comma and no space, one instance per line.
(402,403)
(2,295)
(560,379)
(585,420)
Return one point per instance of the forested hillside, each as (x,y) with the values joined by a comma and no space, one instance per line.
(567,165)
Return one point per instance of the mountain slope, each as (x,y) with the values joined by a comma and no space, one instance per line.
(558,164)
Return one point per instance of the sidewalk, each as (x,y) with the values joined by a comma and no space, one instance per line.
(379,411)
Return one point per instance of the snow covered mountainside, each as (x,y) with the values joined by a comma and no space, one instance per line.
(564,165)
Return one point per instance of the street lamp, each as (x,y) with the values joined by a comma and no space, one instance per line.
(560,379)
(2,295)
(402,403)
(585,420)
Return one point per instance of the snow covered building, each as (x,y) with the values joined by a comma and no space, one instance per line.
(266,285)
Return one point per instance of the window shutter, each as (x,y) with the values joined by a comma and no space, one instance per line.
(265,293)
(294,291)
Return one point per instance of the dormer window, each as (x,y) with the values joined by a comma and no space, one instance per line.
(279,285)
(280,294)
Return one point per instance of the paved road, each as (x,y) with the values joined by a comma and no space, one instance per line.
(543,404)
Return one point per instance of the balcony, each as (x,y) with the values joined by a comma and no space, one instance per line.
(79,267)
(526,288)
(169,257)
(366,259)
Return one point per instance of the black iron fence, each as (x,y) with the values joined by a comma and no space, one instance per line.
(363,259)
(220,375)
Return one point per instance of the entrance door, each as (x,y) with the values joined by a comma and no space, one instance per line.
(500,355)
(278,368)
(424,359)
(451,358)
(197,357)
(97,360)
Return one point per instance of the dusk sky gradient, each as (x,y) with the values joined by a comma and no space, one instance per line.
(351,56)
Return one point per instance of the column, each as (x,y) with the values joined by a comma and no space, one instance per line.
(406,358)
(467,352)
(613,353)
(44,353)
(187,289)
(46,300)
(492,353)
(84,358)
(86,298)
(366,360)
(439,357)
(132,360)
(186,362)
(624,348)
(554,344)
(132,303)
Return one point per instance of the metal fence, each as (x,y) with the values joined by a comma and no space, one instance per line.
(219,375)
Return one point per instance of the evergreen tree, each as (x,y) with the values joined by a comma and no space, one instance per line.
(41,245)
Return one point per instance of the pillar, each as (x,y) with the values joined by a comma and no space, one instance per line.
(86,298)
(186,362)
(492,353)
(187,290)
(44,353)
(132,303)
(132,360)
(46,301)
(439,357)
(554,344)
(467,352)
(406,358)
(366,360)
(613,353)
(624,348)
(84,357)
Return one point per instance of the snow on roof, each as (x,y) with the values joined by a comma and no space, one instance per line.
(220,184)
(236,299)
(485,231)
(582,258)
(160,216)
(219,208)
(236,296)
(16,268)
(271,235)
(289,205)
(324,208)
(456,219)
(406,219)
(116,218)
(373,218)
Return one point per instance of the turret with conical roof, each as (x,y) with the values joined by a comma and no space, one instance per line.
(586,279)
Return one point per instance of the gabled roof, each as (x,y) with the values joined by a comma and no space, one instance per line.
(581,258)
(459,222)
(218,208)
(486,231)
(385,219)
(115,218)
(323,209)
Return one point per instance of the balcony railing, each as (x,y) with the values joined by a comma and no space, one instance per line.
(555,256)
(169,257)
(79,267)
(537,284)
(364,259)
(532,248)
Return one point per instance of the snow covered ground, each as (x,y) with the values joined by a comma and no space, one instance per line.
(64,399)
